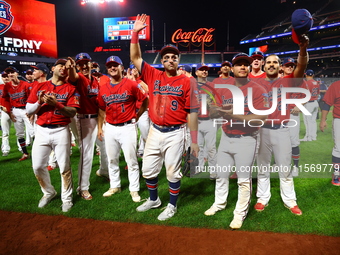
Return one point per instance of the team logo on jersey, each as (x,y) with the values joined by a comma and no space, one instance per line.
(168,90)
(6,17)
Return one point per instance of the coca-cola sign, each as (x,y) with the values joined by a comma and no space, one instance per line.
(198,36)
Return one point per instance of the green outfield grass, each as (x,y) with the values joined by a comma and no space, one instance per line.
(318,199)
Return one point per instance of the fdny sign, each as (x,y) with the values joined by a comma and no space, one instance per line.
(6,17)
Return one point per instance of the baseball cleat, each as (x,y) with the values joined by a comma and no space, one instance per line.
(260,207)
(211,211)
(296,210)
(110,192)
(66,206)
(135,196)
(50,168)
(149,204)
(236,223)
(336,180)
(102,175)
(24,157)
(85,194)
(169,212)
(46,199)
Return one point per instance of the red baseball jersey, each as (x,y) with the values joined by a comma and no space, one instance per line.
(314,88)
(16,94)
(88,90)
(260,102)
(119,100)
(279,83)
(332,97)
(298,95)
(251,76)
(66,94)
(230,80)
(170,98)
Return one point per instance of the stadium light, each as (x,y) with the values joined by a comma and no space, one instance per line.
(84,2)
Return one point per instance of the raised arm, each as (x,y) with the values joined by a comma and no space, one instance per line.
(135,51)
(302,60)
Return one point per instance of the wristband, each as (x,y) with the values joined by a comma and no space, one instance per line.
(194,135)
(134,37)
(59,106)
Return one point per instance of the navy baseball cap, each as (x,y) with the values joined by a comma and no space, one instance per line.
(302,22)
(4,74)
(83,56)
(226,63)
(288,61)
(309,72)
(11,69)
(202,66)
(132,66)
(42,67)
(114,59)
(60,61)
(187,68)
(241,56)
(95,64)
(169,48)
(258,54)
(28,71)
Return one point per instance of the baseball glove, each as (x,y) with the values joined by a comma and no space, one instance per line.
(190,164)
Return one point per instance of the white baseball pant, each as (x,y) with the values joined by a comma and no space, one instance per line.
(294,129)
(144,126)
(235,154)
(310,120)
(103,161)
(125,138)
(21,122)
(5,126)
(207,142)
(336,137)
(167,147)
(275,141)
(59,140)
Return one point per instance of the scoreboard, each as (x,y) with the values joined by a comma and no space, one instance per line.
(116,29)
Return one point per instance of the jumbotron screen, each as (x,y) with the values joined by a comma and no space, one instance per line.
(27,27)
(120,28)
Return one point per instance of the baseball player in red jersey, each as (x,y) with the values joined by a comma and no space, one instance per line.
(5,118)
(256,66)
(117,100)
(16,93)
(86,118)
(170,101)
(55,102)
(275,136)
(238,141)
(206,129)
(332,98)
(312,106)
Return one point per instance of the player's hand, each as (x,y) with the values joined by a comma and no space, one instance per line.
(41,97)
(323,125)
(70,63)
(227,111)
(100,134)
(13,118)
(304,41)
(129,74)
(194,149)
(50,99)
(295,111)
(140,23)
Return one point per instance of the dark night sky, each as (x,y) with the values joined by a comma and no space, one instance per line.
(244,17)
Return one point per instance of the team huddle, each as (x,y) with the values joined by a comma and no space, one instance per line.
(173,111)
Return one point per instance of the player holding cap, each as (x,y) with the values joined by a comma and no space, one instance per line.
(332,98)
(86,119)
(16,93)
(256,66)
(55,102)
(171,100)
(275,137)
(238,142)
(312,106)
(117,100)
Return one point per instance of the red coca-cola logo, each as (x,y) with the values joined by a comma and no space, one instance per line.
(198,36)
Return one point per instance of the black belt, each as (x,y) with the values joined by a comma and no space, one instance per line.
(121,124)
(204,118)
(277,126)
(165,129)
(53,126)
(238,136)
(21,107)
(311,101)
(87,116)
